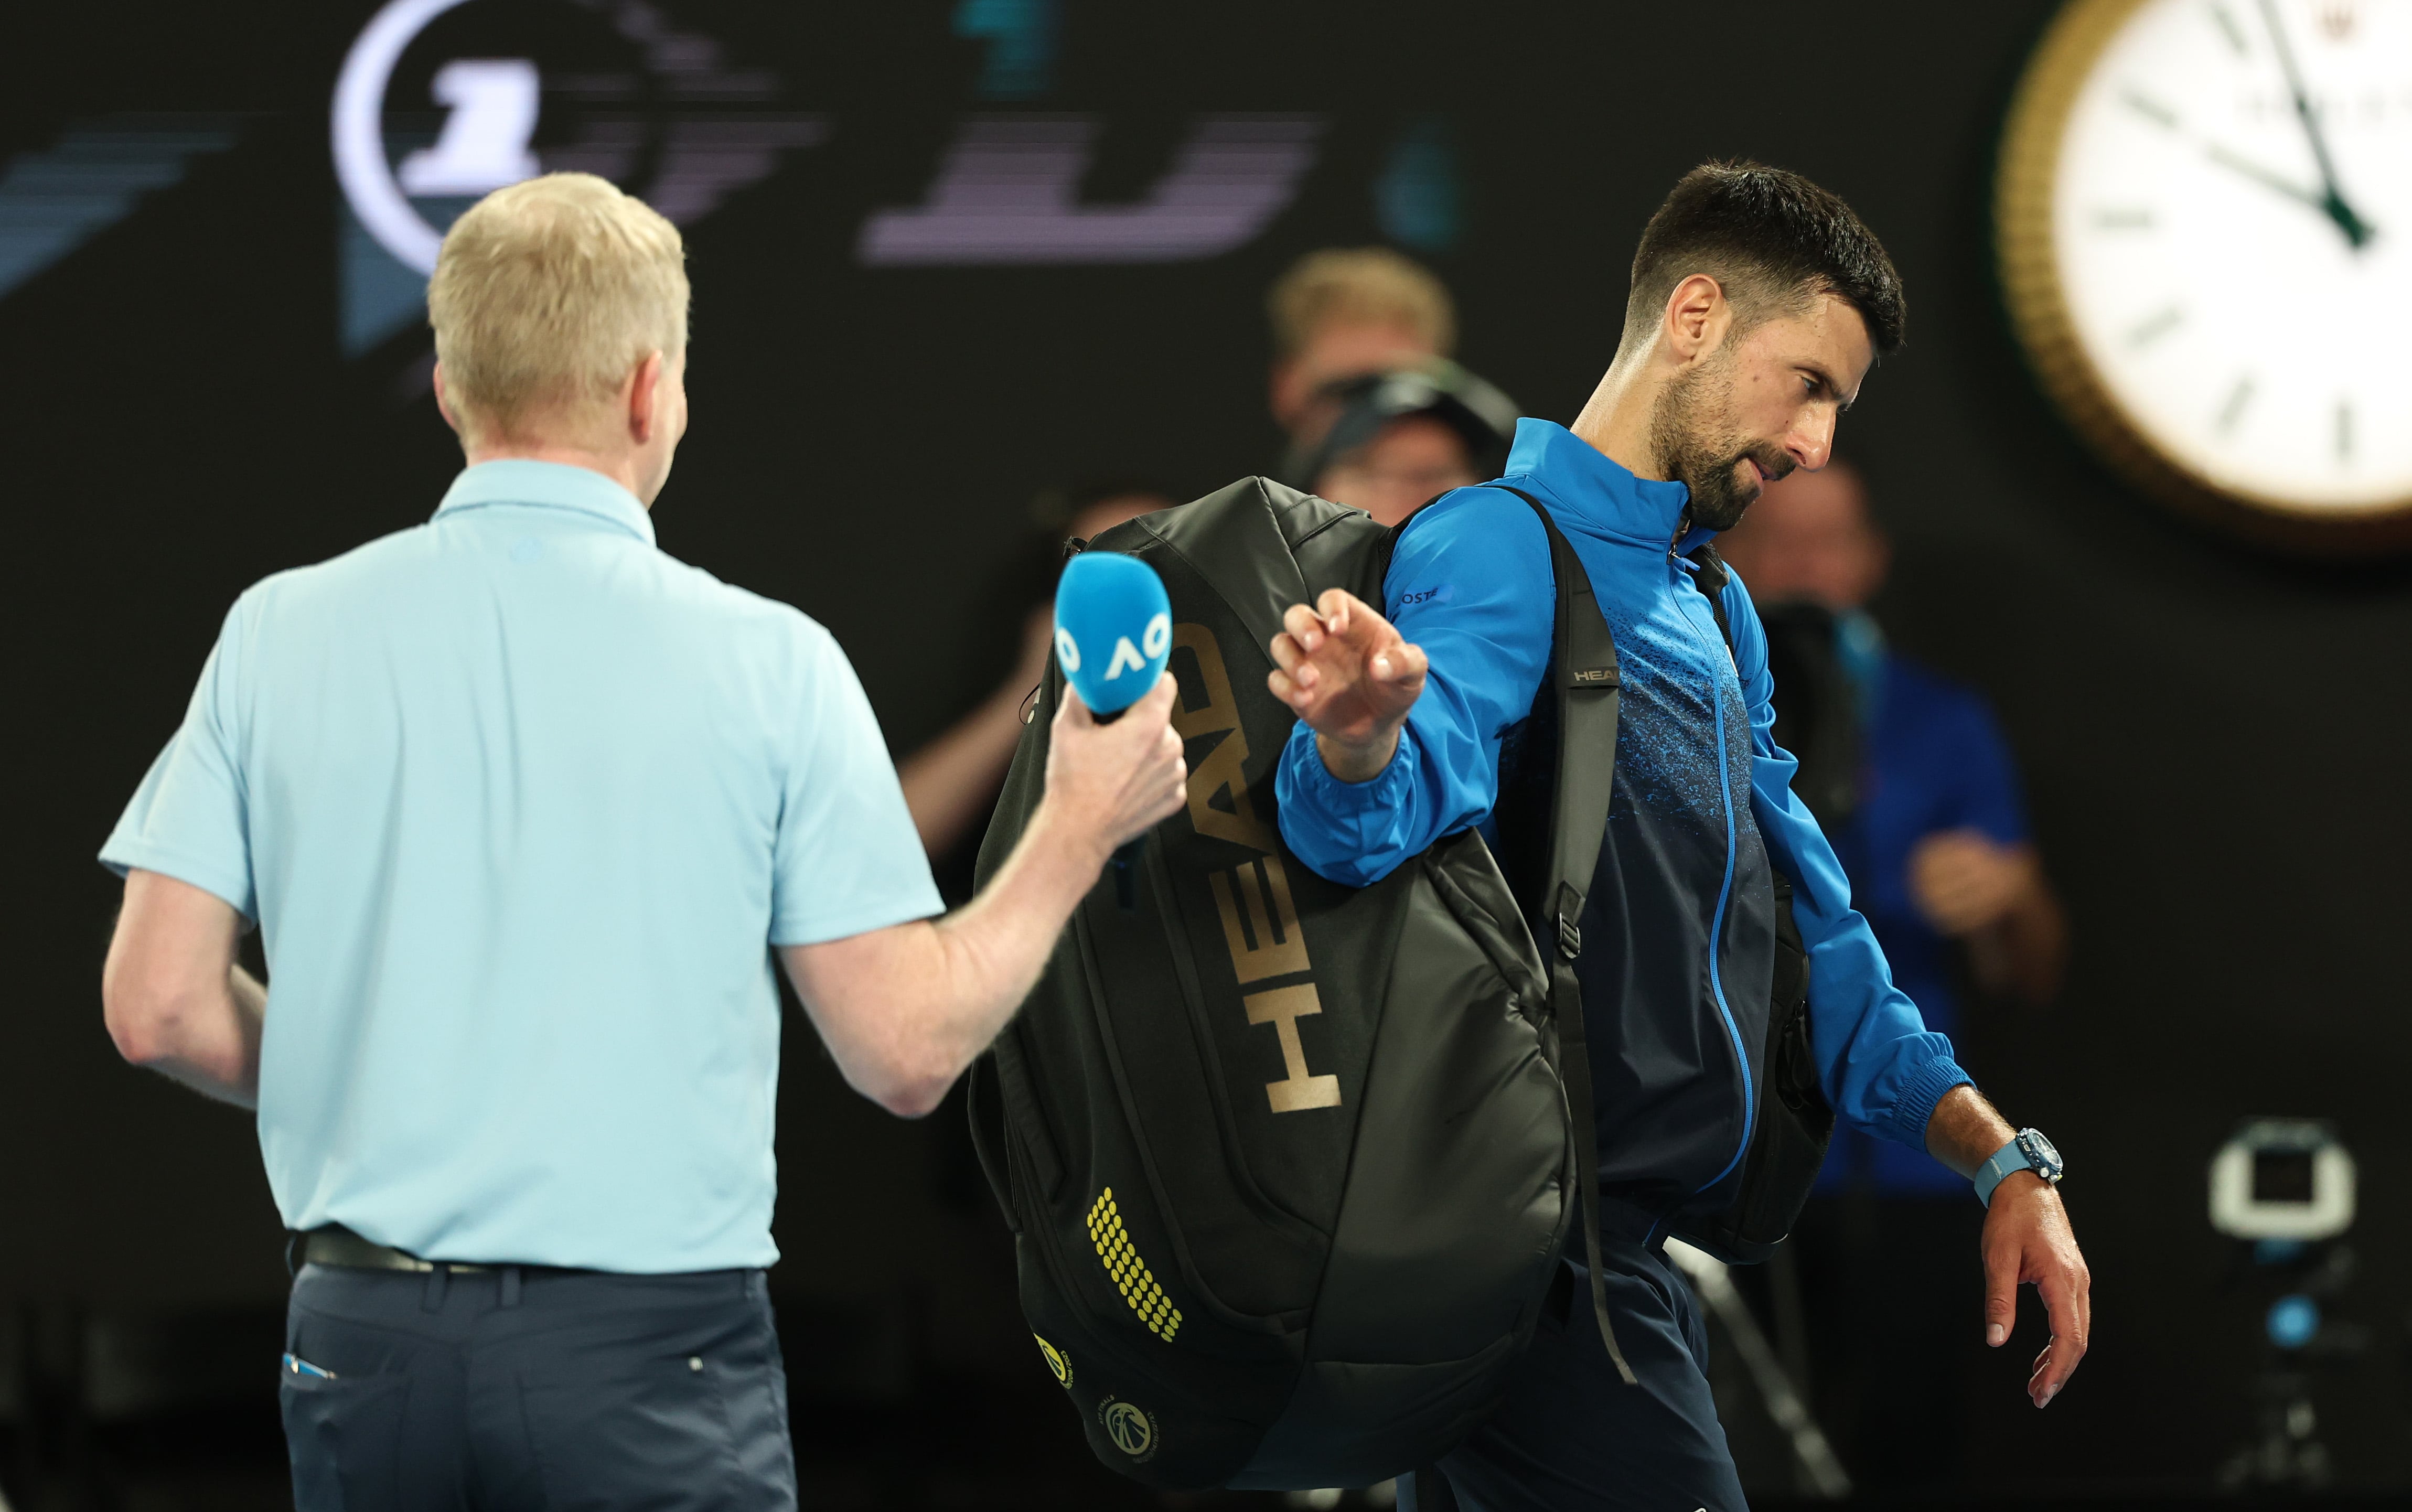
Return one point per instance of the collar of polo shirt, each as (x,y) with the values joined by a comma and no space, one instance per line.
(548,485)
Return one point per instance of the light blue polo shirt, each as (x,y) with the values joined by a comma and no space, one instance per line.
(520,804)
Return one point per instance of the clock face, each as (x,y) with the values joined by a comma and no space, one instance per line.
(2207,222)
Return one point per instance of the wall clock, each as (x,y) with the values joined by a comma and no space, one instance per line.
(2204,213)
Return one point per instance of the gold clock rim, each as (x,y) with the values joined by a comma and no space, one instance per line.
(2032,138)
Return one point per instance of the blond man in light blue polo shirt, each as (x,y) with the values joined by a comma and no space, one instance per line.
(525,808)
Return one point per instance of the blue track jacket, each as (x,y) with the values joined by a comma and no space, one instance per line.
(1679,931)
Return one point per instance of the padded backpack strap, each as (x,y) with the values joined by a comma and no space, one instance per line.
(1582,683)
(1375,588)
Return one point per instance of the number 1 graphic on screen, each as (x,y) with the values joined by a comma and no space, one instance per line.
(485,142)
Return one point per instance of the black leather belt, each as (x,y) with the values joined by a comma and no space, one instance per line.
(337,1245)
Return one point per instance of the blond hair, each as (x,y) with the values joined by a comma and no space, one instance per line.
(548,292)
(1359,286)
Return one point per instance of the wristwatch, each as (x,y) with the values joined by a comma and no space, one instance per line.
(2030,1152)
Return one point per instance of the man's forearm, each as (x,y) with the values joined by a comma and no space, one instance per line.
(213,1044)
(994,949)
(172,994)
(905,1009)
(1966,1130)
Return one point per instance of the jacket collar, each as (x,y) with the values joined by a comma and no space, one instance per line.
(548,485)
(1600,492)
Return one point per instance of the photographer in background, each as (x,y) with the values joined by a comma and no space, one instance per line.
(1930,826)
(1404,436)
(1909,776)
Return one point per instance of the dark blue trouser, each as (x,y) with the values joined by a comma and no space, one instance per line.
(1571,1437)
(509,1389)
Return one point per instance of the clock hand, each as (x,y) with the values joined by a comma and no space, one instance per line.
(2265,177)
(2358,231)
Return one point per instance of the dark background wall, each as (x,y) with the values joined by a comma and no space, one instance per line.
(2212,736)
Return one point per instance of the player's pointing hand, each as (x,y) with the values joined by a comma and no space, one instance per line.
(1350,675)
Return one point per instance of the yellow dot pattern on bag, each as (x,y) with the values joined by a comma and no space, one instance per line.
(1123,1267)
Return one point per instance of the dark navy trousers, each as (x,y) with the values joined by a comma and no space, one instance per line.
(516,1390)
(1571,1437)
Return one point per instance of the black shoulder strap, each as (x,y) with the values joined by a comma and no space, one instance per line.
(1578,701)
(1582,683)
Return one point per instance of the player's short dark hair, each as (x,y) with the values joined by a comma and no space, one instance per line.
(1775,241)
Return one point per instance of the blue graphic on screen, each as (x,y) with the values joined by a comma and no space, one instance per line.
(1021,36)
(1419,198)
(379,294)
(53,202)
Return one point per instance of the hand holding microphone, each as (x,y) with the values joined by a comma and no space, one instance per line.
(1114,749)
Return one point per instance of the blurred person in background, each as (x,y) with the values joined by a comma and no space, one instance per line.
(526,811)
(1378,415)
(951,783)
(1345,313)
(1341,317)
(1909,776)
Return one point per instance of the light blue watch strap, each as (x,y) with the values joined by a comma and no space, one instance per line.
(2006,1159)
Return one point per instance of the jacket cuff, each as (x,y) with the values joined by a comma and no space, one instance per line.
(1914,1106)
(1346,804)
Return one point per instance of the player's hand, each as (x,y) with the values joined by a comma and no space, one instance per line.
(1112,782)
(2028,1242)
(1351,677)
(1964,882)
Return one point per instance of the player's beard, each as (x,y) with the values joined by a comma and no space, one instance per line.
(1699,444)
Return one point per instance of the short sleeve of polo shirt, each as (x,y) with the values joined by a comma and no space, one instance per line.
(188,819)
(847,859)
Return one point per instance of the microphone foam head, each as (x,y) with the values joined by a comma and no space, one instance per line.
(1113,628)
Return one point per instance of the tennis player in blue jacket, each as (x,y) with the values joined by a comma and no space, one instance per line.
(1760,302)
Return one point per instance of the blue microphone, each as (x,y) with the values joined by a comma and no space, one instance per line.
(1113,634)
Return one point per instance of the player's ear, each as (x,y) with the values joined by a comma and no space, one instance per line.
(1697,320)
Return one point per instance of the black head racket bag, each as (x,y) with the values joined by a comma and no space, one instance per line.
(1289,1164)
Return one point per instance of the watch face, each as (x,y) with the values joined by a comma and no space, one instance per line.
(2217,224)
(2041,1152)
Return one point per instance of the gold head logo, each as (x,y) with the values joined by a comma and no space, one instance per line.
(1260,925)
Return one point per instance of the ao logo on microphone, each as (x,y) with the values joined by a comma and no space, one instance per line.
(1156,638)
(1113,628)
